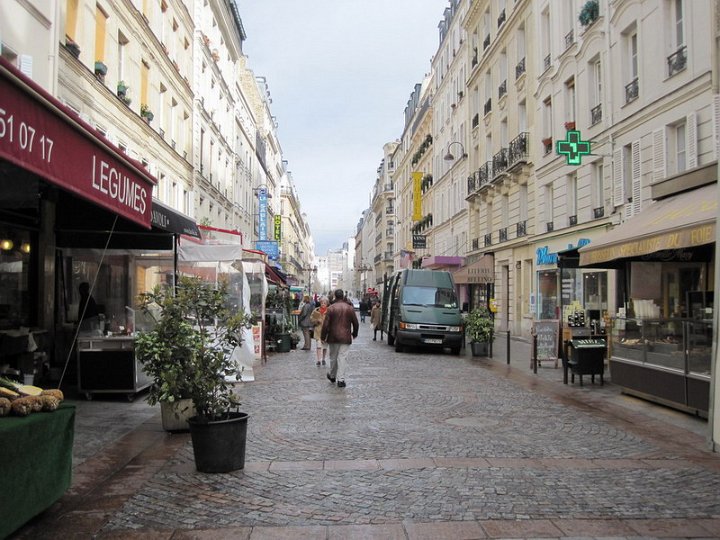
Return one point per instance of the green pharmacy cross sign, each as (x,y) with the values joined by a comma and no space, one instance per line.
(574,148)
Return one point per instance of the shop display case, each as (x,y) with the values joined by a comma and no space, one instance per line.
(664,360)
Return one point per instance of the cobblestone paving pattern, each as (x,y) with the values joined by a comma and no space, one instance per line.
(421,407)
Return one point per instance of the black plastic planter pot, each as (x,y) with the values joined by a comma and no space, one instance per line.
(480,348)
(219,446)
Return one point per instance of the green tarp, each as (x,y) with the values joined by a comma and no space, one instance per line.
(36,454)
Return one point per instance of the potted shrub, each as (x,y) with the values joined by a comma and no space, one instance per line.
(211,330)
(100,69)
(146,113)
(479,327)
(589,12)
(73,47)
(122,89)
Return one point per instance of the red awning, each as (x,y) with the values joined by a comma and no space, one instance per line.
(41,135)
(273,276)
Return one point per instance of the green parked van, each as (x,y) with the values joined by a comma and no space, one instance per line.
(423,311)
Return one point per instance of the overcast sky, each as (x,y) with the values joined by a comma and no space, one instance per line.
(340,73)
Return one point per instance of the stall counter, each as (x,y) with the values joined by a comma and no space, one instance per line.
(37,464)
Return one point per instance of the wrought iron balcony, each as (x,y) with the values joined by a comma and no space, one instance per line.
(502,89)
(632,90)
(472,183)
(488,106)
(500,162)
(521,228)
(596,114)
(546,62)
(598,212)
(569,39)
(547,145)
(549,226)
(677,61)
(483,174)
(476,120)
(501,18)
(518,149)
(488,239)
(502,233)
(572,220)
(486,42)
(476,243)
(520,68)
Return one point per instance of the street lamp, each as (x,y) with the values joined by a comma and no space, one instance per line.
(449,156)
(363,269)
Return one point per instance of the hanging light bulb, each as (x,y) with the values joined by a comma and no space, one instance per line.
(6,245)
(25,247)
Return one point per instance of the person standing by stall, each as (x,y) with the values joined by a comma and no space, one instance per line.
(304,321)
(339,329)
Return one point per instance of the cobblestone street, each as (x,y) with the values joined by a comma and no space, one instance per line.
(418,445)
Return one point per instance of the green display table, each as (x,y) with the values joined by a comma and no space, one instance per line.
(36,452)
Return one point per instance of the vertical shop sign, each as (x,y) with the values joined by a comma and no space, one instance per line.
(262,213)
(417,196)
(278,228)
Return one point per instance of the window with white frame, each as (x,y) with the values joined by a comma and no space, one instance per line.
(547,118)
(632,86)
(679,146)
(522,117)
(549,203)
(570,100)
(523,202)
(571,197)
(597,187)
(678,23)
(546,40)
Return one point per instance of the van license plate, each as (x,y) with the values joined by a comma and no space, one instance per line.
(434,341)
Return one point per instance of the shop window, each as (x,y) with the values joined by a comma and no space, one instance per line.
(15,301)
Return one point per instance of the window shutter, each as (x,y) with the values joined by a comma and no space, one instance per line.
(618,185)
(716,124)
(636,178)
(658,154)
(26,66)
(691,124)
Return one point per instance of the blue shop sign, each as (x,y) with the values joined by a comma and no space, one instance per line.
(545,257)
(270,247)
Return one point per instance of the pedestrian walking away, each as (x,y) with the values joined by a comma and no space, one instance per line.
(376,320)
(304,321)
(317,317)
(339,329)
(363,310)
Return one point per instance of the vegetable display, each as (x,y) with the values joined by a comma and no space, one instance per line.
(23,399)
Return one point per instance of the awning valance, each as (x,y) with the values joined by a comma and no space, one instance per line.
(481,271)
(169,219)
(441,261)
(45,137)
(681,222)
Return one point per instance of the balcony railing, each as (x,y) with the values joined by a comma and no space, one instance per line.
(502,89)
(502,233)
(486,42)
(677,61)
(472,183)
(598,212)
(500,162)
(476,120)
(483,174)
(476,243)
(520,68)
(549,226)
(488,239)
(632,90)
(518,149)
(501,18)
(488,106)
(390,232)
(569,39)
(596,114)
(572,220)
(546,62)
(521,228)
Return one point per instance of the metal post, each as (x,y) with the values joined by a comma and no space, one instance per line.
(534,354)
(507,354)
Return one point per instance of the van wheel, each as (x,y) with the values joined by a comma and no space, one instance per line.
(391,339)
(398,346)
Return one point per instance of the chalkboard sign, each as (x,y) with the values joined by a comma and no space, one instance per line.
(546,331)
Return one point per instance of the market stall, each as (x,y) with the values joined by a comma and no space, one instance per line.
(661,334)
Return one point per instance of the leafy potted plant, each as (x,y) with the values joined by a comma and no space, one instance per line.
(122,89)
(146,113)
(479,327)
(212,330)
(589,12)
(100,69)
